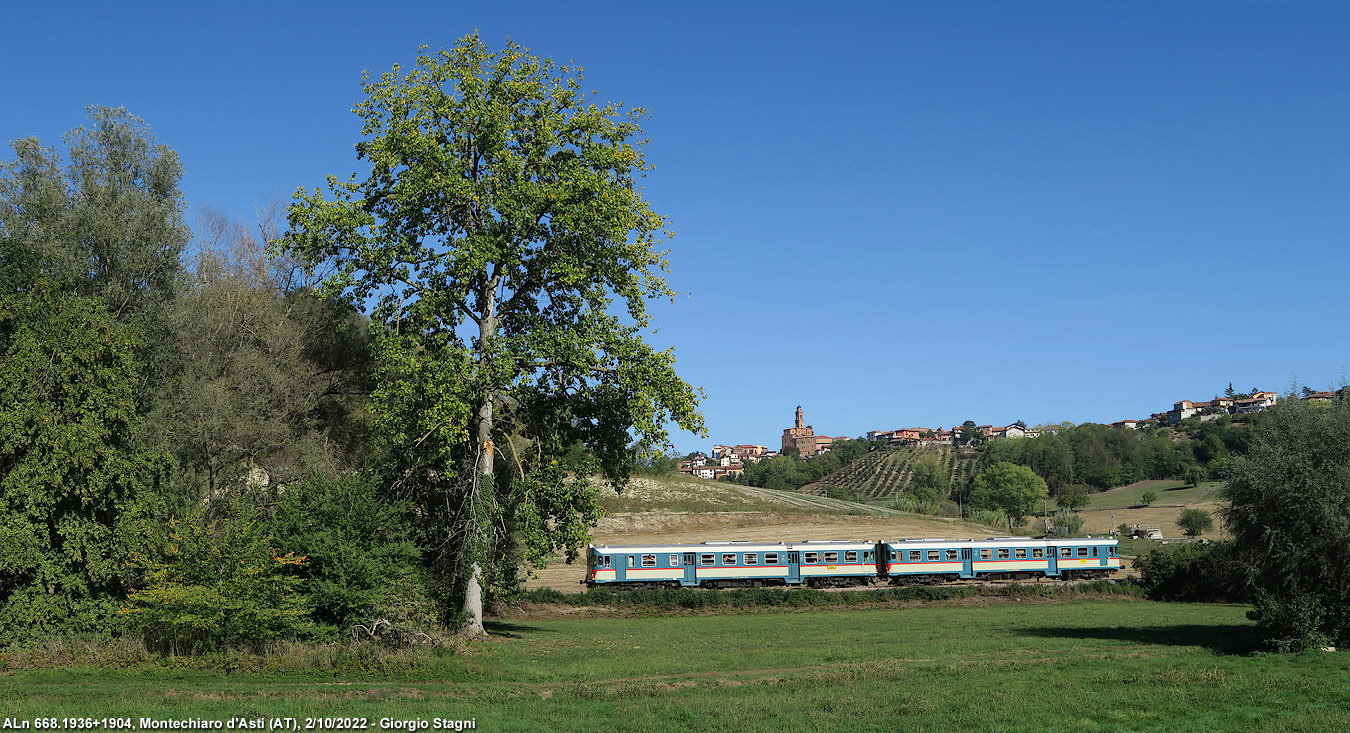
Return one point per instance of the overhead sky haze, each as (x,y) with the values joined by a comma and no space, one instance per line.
(892,214)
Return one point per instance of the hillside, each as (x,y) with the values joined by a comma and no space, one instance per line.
(682,494)
(883,474)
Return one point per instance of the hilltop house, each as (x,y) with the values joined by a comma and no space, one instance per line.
(1218,406)
(1256,403)
(742,453)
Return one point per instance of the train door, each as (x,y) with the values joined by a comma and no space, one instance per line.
(967,562)
(621,567)
(794,560)
(1051,560)
(690,569)
(1102,551)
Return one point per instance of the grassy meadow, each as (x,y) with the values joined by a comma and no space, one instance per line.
(1170,493)
(970,664)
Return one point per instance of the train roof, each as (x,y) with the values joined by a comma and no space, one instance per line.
(999,541)
(742,546)
(812,545)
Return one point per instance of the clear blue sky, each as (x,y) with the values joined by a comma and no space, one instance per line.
(893,214)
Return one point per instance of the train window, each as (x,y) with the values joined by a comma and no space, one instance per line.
(984,554)
(951,554)
(1082,552)
(831,558)
(1066,552)
(770,558)
(1021,553)
(915,555)
(649,561)
(934,555)
(752,558)
(811,558)
(729,558)
(632,561)
(1115,551)
(1038,553)
(607,561)
(674,560)
(1003,553)
(895,555)
(707,559)
(851,556)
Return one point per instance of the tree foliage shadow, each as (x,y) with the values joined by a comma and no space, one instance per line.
(1226,639)
(512,631)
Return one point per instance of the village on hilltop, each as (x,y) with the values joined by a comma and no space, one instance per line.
(801,439)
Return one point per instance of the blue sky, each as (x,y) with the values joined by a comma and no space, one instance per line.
(893,214)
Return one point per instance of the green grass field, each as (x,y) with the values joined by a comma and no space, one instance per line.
(1170,493)
(1084,665)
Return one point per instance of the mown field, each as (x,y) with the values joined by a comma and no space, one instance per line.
(974,664)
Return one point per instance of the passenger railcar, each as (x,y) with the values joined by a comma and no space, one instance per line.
(934,560)
(826,563)
(816,563)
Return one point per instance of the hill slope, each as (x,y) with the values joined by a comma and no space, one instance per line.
(685,494)
(883,474)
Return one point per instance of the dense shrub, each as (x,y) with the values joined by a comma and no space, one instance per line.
(358,548)
(218,584)
(690,598)
(1201,572)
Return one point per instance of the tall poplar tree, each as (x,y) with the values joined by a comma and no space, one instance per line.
(508,252)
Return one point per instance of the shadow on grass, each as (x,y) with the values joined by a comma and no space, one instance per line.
(512,631)
(1218,638)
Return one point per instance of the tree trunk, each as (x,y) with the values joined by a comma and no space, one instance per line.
(473,605)
(473,592)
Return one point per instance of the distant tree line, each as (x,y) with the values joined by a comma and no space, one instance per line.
(1101,457)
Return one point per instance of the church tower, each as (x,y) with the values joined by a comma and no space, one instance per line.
(800,438)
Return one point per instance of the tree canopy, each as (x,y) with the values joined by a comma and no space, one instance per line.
(1289,516)
(508,253)
(74,484)
(1195,522)
(1009,488)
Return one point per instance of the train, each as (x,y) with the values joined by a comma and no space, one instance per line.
(843,563)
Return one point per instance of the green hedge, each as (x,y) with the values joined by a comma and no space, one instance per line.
(689,598)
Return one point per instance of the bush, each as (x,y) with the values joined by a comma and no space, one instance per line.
(218,584)
(1294,623)
(1069,525)
(359,550)
(1204,573)
(987,517)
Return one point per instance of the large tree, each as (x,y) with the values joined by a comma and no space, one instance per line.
(508,253)
(1290,521)
(272,379)
(1009,488)
(102,221)
(109,222)
(73,485)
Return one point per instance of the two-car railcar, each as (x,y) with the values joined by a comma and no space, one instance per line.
(831,563)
